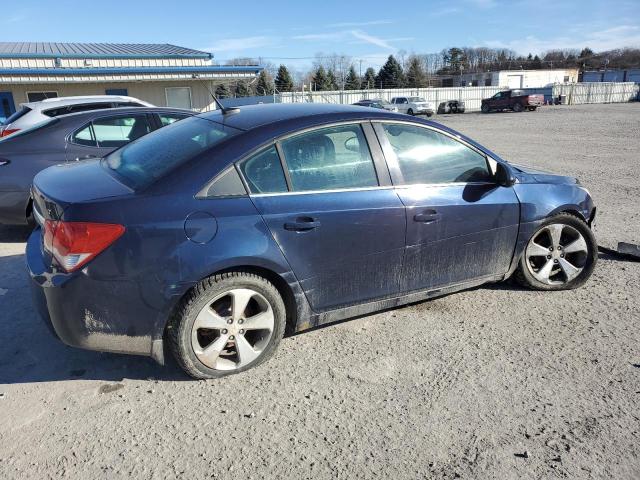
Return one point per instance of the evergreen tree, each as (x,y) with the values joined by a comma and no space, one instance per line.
(242,90)
(536,63)
(332,82)
(265,84)
(353,81)
(416,76)
(390,75)
(320,79)
(284,82)
(369,79)
(222,91)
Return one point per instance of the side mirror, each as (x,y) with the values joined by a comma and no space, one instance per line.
(504,176)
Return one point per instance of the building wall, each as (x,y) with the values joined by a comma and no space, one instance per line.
(152,92)
(518,78)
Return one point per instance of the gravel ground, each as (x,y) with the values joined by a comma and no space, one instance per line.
(495,382)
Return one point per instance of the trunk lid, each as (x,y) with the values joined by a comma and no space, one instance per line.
(56,188)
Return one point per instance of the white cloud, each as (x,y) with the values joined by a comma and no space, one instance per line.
(599,40)
(377,41)
(313,37)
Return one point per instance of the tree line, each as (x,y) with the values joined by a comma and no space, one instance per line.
(338,72)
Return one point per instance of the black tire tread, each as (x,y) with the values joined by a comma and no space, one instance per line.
(173,330)
(520,277)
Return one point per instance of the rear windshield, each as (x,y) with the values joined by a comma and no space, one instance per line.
(142,162)
(20,113)
(416,99)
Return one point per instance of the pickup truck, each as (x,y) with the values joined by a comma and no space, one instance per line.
(516,100)
(413,105)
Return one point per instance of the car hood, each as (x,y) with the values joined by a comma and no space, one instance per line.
(531,175)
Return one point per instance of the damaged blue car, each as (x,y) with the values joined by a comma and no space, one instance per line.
(214,236)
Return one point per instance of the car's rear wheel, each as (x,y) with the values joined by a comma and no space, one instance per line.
(485,108)
(227,324)
(517,107)
(410,111)
(560,255)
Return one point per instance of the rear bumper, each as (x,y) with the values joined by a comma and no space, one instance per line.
(85,312)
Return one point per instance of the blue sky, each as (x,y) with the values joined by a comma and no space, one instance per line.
(293,32)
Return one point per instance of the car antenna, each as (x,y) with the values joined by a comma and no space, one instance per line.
(222,108)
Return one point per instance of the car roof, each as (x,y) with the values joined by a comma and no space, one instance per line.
(252,116)
(79,100)
(123,110)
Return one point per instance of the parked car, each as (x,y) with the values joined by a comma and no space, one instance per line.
(32,113)
(413,105)
(516,100)
(64,139)
(219,232)
(377,103)
(451,106)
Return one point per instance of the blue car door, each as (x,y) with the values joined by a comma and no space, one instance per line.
(326,198)
(461,225)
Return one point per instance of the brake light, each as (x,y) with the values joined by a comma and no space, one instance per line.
(73,244)
(8,131)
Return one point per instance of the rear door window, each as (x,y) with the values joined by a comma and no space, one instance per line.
(118,131)
(329,158)
(263,172)
(84,136)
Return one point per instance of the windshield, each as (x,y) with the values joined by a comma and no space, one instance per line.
(142,162)
(416,99)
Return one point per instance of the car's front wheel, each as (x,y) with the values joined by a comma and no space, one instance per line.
(517,107)
(560,255)
(410,112)
(229,323)
(485,108)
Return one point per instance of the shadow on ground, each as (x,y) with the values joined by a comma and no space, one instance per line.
(30,353)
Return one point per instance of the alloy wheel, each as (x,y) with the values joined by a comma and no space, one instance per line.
(232,330)
(556,254)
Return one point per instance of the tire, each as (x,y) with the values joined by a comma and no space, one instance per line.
(485,108)
(218,346)
(533,109)
(429,114)
(547,264)
(410,112)
(517,107)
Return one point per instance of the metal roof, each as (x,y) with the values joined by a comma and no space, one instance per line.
(97,50)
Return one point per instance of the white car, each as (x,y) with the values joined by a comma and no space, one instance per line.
(413,105)
(33,113)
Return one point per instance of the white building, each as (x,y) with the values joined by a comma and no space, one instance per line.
(162,74)
(513,78)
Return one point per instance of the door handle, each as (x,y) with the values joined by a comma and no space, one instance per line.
(428,216)
(302,224)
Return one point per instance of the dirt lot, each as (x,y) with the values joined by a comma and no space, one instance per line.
(496,382)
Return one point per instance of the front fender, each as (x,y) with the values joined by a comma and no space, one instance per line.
(539,201)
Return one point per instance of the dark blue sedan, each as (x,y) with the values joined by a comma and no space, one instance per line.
(217,234)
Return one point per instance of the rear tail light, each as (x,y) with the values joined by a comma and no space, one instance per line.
(8,131)
(73,244)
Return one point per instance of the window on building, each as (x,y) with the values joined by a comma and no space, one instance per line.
(179,97)
(263,172)
(39,96)
(329,158)
(474,83)
(566,79)
(426,156)
(487,82)
(117,91)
